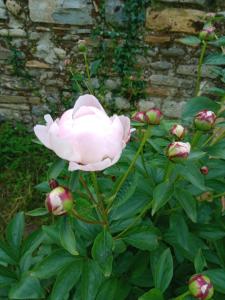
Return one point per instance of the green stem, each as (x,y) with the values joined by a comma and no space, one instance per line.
(181,297)
(219,195)
(143,162)
(85,186)
(200,63)
(168,170)
(78,85)
(144,139)
(99,198)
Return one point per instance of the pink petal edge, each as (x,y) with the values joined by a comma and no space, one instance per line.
(87,100)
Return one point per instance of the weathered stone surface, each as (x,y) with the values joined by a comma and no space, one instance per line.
(157,39)
(144,105)
(60,53)
(3,14)
(122,103)
(173,52)
(191,70)
(45,49)
(16,32)
(170,81)
(61,12)
(37,64)
(161,65)
(114,12)
(13,7)
(113,84)
(19,99)
(160,91)
(172,109)
(4,53)
(198,2)
(15,106)
(174,20)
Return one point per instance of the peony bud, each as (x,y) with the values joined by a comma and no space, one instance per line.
(82,46)
(177,151)
(201,287)
(208,32)
(53,184)
(204,170)
(153,116)
(205,120)
(59,201)
(139,117)
(178,131)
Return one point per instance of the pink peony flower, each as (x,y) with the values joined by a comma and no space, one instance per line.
(86,136)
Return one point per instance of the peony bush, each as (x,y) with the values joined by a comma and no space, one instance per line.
(136,209)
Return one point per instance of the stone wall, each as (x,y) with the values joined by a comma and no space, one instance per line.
(37,36)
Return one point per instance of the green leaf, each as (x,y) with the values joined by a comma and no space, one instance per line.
(37,212)
(7,277)
(153,294)
(216,91)
(144,238)
(43,187)
(94,66)
(199,262)
(52,264)
(113,289)
(126,191)
(194,105)
(161,195)
(217,150)
(102,251)
(27,288)
(91,280)
(56,168)
(164,270)
(217,276)
(33,241)
(220,42)
(6,254)
(67,236)
(14,231)
(66,279)
(211,232)
(180,228)
(187,202)
(215,59)
(192,173)
(74,181)
(190,40)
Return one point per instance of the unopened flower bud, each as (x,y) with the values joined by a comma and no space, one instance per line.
(139,117)
(201,287)
(82,46)
(178,151)
(207,33)
(205,120)
(178,131)
(153,116)
(53,184)
(59,201)
(204,170)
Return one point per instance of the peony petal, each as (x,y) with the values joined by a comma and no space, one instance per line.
(87,100)
(99,166)
(125,121)
(48,120)
(42,133)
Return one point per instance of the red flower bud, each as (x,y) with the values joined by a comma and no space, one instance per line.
(59,201)
(201,287)
(53,184)
(204,170)
(153,116)
(178,151)
(139,117)
(178,131)
(205,120)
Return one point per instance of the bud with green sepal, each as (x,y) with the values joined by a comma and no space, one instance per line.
(200,287)
(178,151)
(205,120)
(178,131)
(59,201)
(139,116)
(153,116)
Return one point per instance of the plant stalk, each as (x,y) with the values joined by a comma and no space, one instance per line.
(181,297)
(200,63)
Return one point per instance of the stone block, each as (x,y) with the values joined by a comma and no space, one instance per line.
(37,64)
(122,103)
(3,14)
(171,81)
(191,70)
(157,39)
(161,91)
(172,109)
(198,2)
(61,12)
(173,52)
(19,99)
(144,105)
(175,20)
(161,65)
(4,53)
(114,12)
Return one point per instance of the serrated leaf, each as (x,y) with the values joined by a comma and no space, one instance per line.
(102,251)
(163,271)
(215,59)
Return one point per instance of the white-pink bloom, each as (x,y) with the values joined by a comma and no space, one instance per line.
(85,135)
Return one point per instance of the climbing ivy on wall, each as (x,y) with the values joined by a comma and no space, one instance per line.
(119,47)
